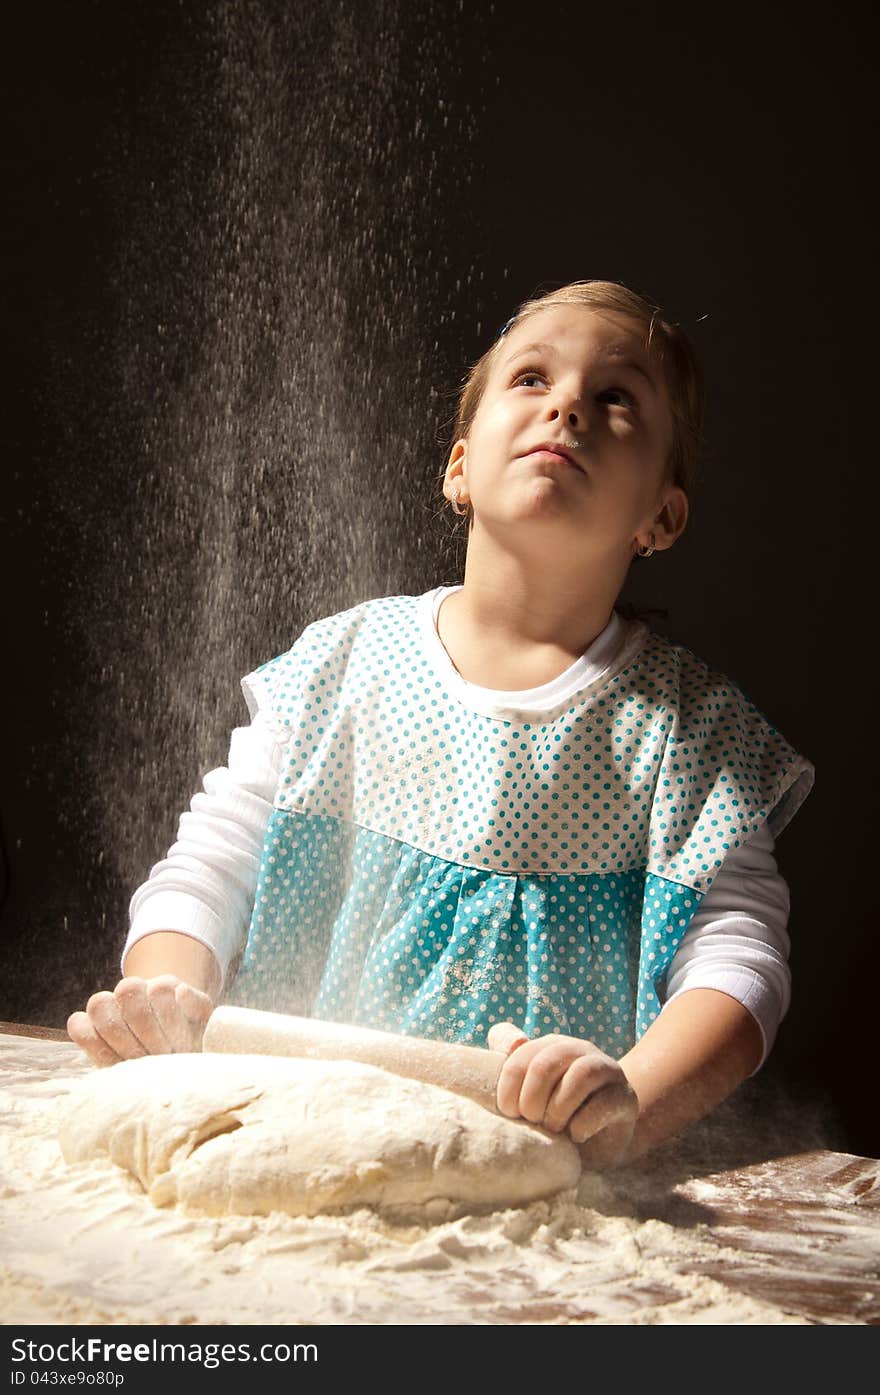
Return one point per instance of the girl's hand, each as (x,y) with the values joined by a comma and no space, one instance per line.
(141,1017)
(564,1083)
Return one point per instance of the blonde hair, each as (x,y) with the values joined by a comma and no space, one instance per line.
(665,340)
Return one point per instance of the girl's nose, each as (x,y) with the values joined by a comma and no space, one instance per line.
(571,411)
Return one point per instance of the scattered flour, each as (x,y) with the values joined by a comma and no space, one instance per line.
(84,1244)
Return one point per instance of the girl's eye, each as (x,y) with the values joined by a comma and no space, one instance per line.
(528,375)
(617,397)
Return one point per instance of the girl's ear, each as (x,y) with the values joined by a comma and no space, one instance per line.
(670,522)
(455,469)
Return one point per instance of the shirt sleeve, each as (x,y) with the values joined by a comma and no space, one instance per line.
(738,941)
(206,884)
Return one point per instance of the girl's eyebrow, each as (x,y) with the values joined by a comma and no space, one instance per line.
(530,349)
(621,354)
(618,354)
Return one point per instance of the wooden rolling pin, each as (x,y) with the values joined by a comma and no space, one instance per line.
(465,1070)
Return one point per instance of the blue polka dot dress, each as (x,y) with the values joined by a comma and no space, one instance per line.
(434,865)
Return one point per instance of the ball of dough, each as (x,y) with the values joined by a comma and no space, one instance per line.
(218,1133)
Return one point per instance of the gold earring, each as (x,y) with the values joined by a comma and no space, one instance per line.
(456,507)
(646,551)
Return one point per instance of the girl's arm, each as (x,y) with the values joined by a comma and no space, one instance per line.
(168,952)
(700,1048)
(190,917)
(155,1014)
(737,941)
(204,887)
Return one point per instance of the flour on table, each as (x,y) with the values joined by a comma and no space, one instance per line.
(250,1135)
(84,1244)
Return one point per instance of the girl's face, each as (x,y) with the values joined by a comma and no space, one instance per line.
(582,380)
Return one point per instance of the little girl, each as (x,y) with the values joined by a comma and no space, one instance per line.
(499,813)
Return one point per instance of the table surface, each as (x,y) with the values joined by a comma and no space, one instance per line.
(800,1230)
(805,1230)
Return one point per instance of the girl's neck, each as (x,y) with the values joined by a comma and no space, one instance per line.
(527,603)
(500,647)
